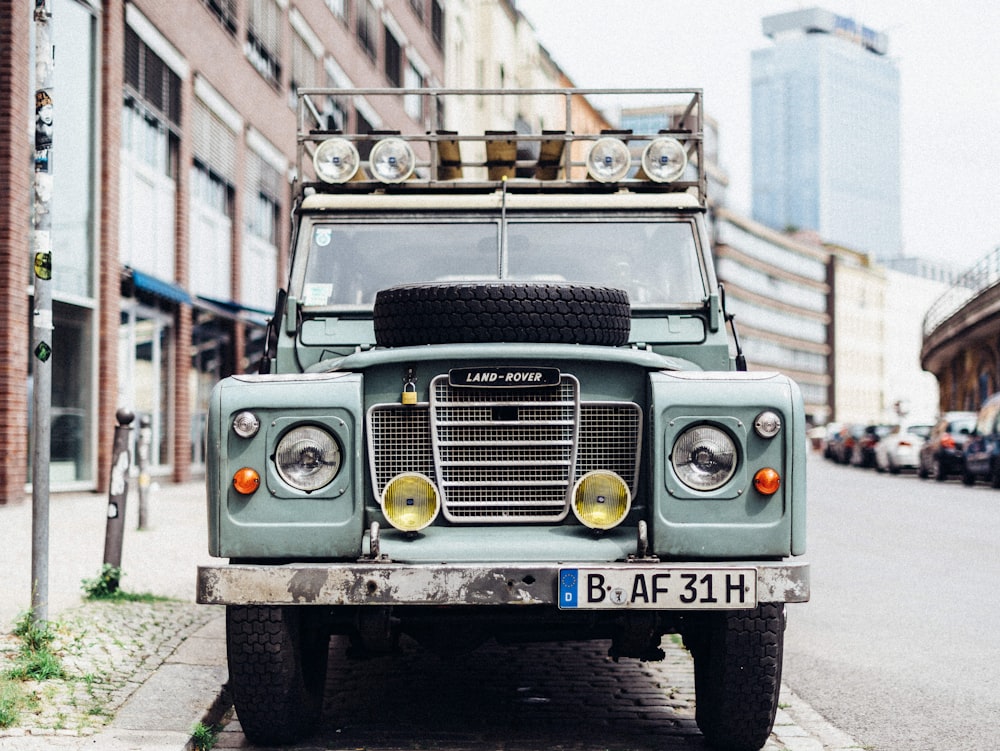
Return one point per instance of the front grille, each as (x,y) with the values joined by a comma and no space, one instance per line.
(504,455)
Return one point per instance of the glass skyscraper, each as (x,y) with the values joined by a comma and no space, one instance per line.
(826,132)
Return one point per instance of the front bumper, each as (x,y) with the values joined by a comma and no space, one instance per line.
(444,584)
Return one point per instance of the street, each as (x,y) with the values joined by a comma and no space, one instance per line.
(898,646)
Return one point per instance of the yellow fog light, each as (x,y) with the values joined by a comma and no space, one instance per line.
(410,502)
(601,499)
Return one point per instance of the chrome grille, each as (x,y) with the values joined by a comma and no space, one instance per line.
(504,455)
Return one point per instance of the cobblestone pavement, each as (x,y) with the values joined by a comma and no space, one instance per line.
(107,650)
(552,697)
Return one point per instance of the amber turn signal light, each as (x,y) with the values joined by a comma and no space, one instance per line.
(767,481)
(246,481)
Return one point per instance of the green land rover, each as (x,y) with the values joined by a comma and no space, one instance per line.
(501,399)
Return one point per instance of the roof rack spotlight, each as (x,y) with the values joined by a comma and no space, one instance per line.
(664,160)
(336,161)
(609,160)
(392,160)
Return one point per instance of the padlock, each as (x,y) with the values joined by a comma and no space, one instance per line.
(409,396)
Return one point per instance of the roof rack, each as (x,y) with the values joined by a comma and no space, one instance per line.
(556,157)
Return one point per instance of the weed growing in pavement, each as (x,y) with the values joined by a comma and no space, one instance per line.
(204,737)
(107,586)
(35,661)
(13,700)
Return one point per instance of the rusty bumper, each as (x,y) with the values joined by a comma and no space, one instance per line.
(374,583)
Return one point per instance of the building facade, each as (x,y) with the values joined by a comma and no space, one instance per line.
(778,290)
(826,132)
(173,151)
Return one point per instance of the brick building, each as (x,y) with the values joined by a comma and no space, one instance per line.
(173,152)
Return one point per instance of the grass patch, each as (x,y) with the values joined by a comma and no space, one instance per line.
(204,737)
(13,700)
(106,586)
(35,660)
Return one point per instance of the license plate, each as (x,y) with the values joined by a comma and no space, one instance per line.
(660,588)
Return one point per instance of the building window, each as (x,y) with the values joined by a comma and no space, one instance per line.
(437,23)
(264,185)
(367,27)
(225,12)
(150,142)
(393,59)
(418,8)
(264,39)
(304,66)
(152,81)
(414,103)
(338,8)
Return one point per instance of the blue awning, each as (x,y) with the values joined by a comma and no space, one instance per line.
(167,290)
(233,310)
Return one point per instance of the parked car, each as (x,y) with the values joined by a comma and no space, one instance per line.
(863,454)
(981,455)
(842,444)
(830,438)
(941,455)
(899,449)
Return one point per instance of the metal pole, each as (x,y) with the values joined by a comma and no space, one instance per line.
(118,490)
(142,462)
(42,315)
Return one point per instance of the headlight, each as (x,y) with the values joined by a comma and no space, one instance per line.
(410,501)
(601,499)
(336,160)
(392,160)
(609,160)
(664,160)
(704,457)
(307,458)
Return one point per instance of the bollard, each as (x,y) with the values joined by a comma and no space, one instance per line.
(118,490)
(142,463)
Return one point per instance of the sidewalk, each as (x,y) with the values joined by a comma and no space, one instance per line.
(141,675)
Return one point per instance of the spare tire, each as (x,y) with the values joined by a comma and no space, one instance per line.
(415,314)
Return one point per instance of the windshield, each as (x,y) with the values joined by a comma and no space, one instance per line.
(656,262)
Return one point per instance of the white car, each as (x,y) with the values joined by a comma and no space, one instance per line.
(900,448)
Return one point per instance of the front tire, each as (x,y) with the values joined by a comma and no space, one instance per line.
(737,662)
(277,668)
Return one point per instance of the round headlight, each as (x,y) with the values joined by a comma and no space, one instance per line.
(410,501)
(601,499)
(336,160)
(609,160)
(704,457)
(664,160)
(307,458)
(246,424)
(392,160)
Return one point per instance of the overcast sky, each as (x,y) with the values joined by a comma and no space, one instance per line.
(948,55)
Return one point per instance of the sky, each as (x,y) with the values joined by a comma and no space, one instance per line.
(949,62)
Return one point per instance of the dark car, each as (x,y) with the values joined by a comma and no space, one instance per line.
(863,454)
(941,455)
(981,455)
(842,445)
